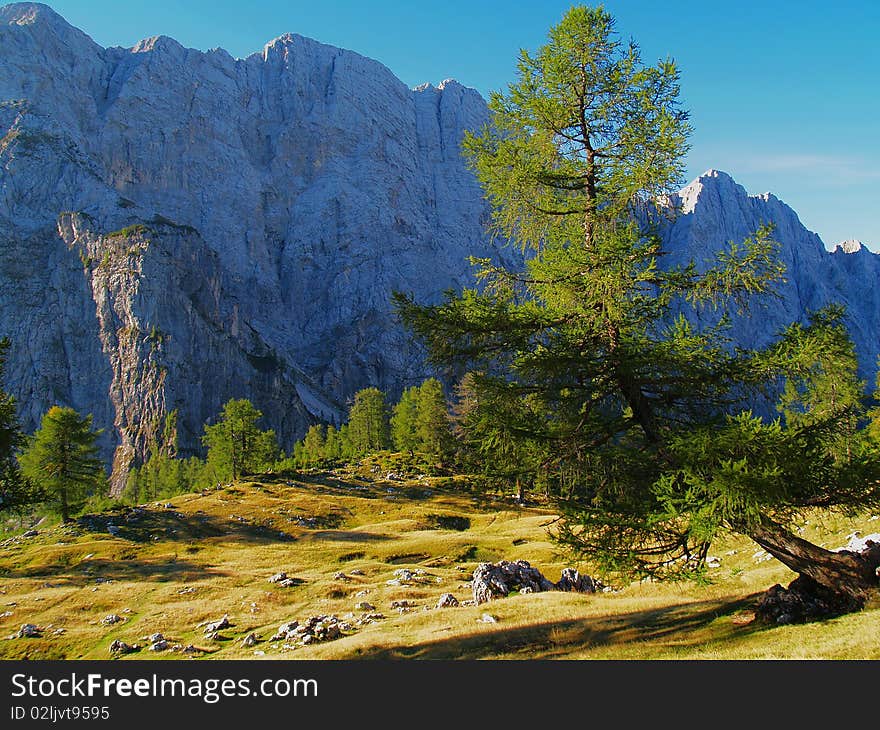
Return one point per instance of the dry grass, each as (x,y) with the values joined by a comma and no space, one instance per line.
(212,554)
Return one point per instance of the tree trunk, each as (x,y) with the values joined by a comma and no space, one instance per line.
(848,574)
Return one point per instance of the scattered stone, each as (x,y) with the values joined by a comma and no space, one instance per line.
(285,630)
(278,577)
(488,618)
(186,589)
(469,603)
(113,618)
(447,600)
(30,533)
(259,652)
(29,631)
(213,636)
(405,577)
(356,571)
(5,614)
(713,561)
(249,640)
(190,649)
(573,582)
(339,575)
(364,606)
(120,647)
(403,604)
(155,638)
(761,556)
(856,543)
(161,645)
(213,626)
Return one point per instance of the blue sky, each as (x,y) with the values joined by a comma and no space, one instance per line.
(783,95)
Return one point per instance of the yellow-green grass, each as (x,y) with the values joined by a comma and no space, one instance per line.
(212,553)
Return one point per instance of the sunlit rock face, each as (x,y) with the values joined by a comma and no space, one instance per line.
(178,228)
(714,210)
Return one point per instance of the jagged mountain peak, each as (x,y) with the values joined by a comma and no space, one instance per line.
(850,246)
(30,14)
(157,43)
(180,228)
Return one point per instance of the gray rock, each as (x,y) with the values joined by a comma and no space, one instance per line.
(120,647)
(160,645)
(30,533)
(491,581)
(573,581)
(29,631)
(447,600)
(364,606)
(111,619)
(222,623)
(249,640)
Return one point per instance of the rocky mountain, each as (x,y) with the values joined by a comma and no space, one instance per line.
(178,228)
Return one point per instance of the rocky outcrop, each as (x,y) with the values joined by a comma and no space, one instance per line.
(714,210)
(178,228)
(498,580)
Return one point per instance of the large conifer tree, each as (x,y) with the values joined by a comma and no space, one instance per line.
(647,414)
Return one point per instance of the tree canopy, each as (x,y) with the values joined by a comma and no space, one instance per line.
(62,460)
(236,445)
(593,349)
(16,492)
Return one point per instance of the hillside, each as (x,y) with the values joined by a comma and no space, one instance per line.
(172,567)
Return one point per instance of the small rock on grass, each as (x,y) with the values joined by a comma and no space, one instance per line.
(120,647)
(213,626)
(447,600)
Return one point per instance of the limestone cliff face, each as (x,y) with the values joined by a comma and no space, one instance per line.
(178,228)
(715,210)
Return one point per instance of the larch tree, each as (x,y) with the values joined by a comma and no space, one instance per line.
(404,421)
(61,458)
(16,492)
(368,427)
(236,444)
(433,425)
(649,415)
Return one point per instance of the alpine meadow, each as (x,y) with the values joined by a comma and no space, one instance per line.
(298,362)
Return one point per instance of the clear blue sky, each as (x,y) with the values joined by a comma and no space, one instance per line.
(784,95)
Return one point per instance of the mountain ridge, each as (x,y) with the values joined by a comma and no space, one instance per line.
(179,227)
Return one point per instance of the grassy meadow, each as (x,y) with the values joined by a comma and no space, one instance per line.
(177,564)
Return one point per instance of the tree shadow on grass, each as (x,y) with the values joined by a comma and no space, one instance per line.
(680,625)
(143,525)
(348,536)
(97,570)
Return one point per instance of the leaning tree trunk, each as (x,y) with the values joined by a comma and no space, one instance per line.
(842,581)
